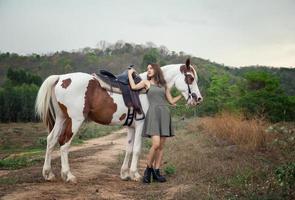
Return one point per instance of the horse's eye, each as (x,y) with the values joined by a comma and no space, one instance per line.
(189,79)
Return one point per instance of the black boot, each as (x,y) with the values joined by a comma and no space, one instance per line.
(147,175)
(157,176)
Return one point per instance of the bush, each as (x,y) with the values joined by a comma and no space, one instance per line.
(170,169)
(285,175)
(235,129)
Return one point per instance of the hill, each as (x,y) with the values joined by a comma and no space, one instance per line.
(116,57)
(255,91)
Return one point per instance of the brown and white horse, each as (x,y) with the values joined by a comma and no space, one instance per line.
(65,101)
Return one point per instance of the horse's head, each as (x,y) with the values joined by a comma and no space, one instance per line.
(186,83)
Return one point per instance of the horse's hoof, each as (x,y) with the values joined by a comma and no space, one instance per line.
(124,175)
(125,178)
(68,177)
(72,180)
(137,179)
(48,175)
(135,176)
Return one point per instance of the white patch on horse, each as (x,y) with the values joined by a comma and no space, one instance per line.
(73,96)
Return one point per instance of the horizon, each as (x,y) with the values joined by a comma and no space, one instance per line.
(235,34)
(81,49)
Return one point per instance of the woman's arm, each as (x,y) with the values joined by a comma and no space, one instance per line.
(172,100)
(138,86)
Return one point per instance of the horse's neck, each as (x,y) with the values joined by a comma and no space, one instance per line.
(169,71)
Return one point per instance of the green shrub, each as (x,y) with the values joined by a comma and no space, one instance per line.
(17,163)
(285,175)
(170,169)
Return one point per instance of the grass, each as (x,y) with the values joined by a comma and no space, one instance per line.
(20,162)
(120,158)
(24,144)
(170,169)
(235,129)
(8,181)
(93,130)
(229,157)
(222,157)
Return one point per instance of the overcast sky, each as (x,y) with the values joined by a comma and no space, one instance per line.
(236,33)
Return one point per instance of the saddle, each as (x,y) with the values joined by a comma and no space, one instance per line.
(120,84)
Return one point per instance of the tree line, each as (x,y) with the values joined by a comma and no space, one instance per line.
(255,91)
(17,96)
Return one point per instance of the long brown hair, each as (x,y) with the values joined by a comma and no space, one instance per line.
(158,75)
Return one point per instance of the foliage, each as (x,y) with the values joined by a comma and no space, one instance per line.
(92,130)
(221,95)
(17,163)
(263,96)
(170,169)
(20,76)
(262,91)
(285,175)
(152,56)
(17,103)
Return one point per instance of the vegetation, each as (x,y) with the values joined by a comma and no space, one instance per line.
(24,144)
(17,96)
(236,129)
(255,91)
(224,164)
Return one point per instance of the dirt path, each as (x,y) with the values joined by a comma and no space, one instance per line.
(91,163)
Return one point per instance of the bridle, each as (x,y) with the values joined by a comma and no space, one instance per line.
(190,94)
(185,69)
(189,91)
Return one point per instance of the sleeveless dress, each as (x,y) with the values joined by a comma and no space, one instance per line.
(158,117)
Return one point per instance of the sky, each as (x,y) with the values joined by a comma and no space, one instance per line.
(230,32)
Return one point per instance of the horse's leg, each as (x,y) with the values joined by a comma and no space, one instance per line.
(134,175)
(51,141)
(129,146)
(64,150)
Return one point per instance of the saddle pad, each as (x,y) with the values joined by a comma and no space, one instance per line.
(113,87)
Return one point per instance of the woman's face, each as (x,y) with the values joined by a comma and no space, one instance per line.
(150,71)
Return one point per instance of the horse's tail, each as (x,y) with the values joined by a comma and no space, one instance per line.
(43,106)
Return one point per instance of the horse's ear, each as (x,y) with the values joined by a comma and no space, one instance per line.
(188,62)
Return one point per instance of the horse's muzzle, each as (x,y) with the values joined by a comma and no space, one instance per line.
(197,99)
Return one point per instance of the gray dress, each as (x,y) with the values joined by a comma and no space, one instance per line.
(158,117)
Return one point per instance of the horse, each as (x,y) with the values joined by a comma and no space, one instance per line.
(65,101)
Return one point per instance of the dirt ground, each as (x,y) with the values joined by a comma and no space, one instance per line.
(96,164)
(207,167)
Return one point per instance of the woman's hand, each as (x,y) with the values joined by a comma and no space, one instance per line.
(172,100)
(173,105)
(131,70)
(138,86)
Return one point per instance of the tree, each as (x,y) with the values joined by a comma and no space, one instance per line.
(20,76)
(263,96)
(222,94)
(152,56)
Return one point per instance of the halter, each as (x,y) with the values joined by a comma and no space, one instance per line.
(188,88)
(187,67)
(189,92)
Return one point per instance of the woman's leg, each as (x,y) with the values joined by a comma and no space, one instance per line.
(153,150)
(150,159)
(159,153)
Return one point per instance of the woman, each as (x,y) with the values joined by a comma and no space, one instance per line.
(157,124)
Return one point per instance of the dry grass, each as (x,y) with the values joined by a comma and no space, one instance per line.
(235,129)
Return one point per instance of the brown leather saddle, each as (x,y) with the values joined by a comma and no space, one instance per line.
(120,84)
